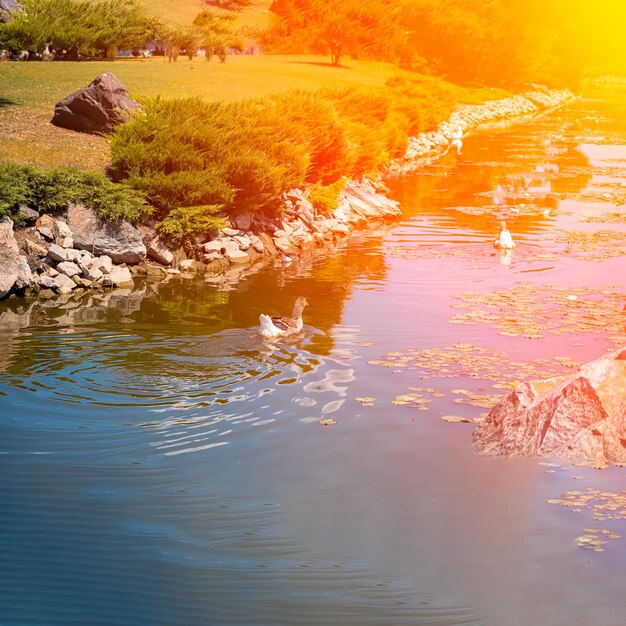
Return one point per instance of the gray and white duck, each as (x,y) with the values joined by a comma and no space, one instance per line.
(279,326)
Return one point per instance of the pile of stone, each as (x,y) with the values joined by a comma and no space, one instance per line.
(428,147)
(60,254)
(299,226)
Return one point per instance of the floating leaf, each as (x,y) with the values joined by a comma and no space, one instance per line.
(456,418)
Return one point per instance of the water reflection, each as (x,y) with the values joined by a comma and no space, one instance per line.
(168,467)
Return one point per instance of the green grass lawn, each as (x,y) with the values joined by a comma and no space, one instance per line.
(184,11)
(28,92)
(42,84)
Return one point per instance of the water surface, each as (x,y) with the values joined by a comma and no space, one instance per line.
(161,465)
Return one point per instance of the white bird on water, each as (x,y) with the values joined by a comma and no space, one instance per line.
(504,241)
(457,139)
(278,326)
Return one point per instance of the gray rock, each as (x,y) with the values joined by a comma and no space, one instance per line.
(159,252)
(119,240)
(68,268)
(85,257)
(62,234)
(9,255)
(97,108)
(257,244)
(48,282)
(230,232)
(29,215)
(237,256)
(243,241)
(155,247)
(73,255)
(188,265)
(217,245)
(81,282)
(33,248)
(243,221)
(56,253)
(44,225)
(119,276)
(103,263)
(283,244)
(211,256)
(155,271)
(24,275)
(65,283)
(92,273)
(581,415)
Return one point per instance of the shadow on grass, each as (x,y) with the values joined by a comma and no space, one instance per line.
(320,64)
(5,102)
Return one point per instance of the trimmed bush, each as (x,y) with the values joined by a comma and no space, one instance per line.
(183,223)
(188,154)
(51,191)
(325,199)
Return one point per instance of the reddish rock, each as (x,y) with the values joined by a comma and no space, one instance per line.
(97,108)
(581,415)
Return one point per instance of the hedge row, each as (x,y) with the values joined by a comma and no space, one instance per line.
(52,190)
(186,160)
(193,158)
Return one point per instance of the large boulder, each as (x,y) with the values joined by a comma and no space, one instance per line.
(97,108)
(9,257)
(582,415)
(119,240)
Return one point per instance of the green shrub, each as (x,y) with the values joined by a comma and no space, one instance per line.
(423,101)
(52,190)
(235,157)
(315,124)
(188,152)
(14,190)
(325,198)
(185,222)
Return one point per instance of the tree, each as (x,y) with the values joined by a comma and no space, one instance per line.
(359,27)
(216,34)
(79,26)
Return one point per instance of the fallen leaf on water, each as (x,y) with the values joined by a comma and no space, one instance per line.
(456,418)
(327,421)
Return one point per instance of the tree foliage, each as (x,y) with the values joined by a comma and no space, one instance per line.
(496,42)
(82,27)
(216,33)
(369,28)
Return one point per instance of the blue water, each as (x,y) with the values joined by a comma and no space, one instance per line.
(162,466)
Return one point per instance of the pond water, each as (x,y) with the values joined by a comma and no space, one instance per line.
(160,465)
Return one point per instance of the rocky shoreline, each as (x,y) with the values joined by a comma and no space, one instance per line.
(76,250)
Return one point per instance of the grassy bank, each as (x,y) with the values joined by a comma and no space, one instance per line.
(28,92)
(221,138)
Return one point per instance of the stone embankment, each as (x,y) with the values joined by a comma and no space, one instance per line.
(428,147)
(77,250)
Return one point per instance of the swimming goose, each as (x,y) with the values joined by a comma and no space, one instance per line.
(505,241)
(278,326)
